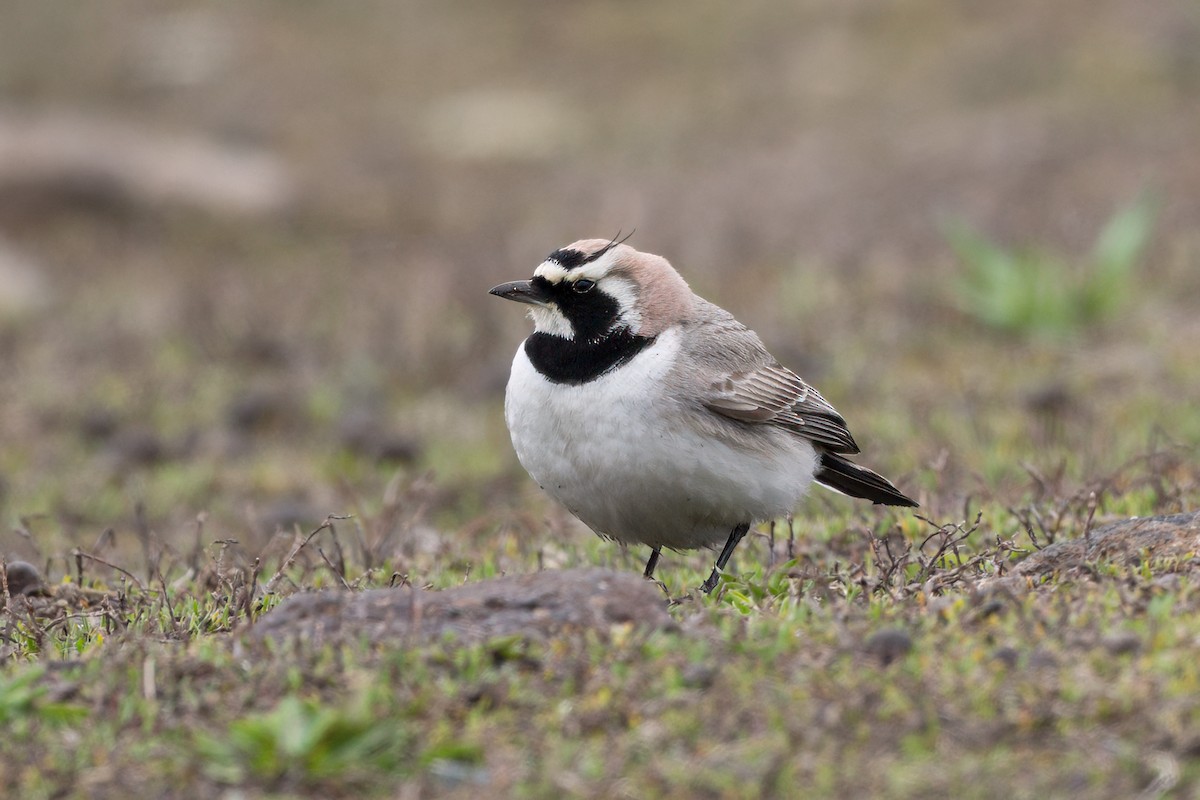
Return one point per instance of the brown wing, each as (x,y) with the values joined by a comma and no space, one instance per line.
(775,395)
(753,387)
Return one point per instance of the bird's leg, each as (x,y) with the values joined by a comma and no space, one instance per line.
(652,563)
(735,536)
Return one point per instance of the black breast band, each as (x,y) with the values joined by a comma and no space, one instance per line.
(575,362)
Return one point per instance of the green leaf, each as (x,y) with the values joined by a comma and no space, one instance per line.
(1120,244)
(1034,292)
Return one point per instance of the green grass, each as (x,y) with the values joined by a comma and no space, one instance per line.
(773,682)
(1034,291)
(789,170)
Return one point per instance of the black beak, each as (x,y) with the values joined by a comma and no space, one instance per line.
(522,292)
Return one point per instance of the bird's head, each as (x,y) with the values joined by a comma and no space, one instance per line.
(595,286)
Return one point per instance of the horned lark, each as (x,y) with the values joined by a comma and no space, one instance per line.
(657,418)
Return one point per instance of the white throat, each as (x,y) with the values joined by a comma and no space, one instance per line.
(548,319)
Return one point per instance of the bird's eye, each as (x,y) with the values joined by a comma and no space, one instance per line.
(582,285)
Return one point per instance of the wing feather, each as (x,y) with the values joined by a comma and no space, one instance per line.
(751,386)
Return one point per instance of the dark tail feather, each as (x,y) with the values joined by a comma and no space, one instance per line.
(848,478)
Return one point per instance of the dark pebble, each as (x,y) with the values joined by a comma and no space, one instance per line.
(23,578)
(698,676)
(1040,659)
(362,433)
(257,411)
(1007,656)
(137,447)
(98,424)
(888,645)
(990,608)
(1052,399)
(263,350)
(285,515)
(1122,643)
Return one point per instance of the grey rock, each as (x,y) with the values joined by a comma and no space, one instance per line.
(59,158)
(98,424)
(888,645)
(1008,656)
(136,447)
(1125,542)
(537,606)
(1122,643)
(23,578)
(258,410)
(363,433)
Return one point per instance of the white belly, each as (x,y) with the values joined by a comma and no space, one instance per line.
(621,456)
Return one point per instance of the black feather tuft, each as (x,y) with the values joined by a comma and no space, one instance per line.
(573,259)
(849,478)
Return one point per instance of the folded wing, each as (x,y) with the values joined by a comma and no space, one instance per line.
(775,395)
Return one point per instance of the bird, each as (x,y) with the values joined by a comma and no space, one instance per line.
(655,417)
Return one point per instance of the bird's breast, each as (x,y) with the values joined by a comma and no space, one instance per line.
(549,419)
(624,454)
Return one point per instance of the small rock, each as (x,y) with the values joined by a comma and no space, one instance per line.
(136,447)
(454,774)
(1008,656)
(98,424)
(1049,406)
(397,448)
(1122,643)
(361,432)
(1042,659)
(23,578)
(537,606)
(888,645)
(1172,580)
(262,349)
(1124,542)
(1051,399)
(990,608)
(699,676)
(50,160)
(258,410)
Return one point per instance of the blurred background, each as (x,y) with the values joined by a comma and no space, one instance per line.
(245,250)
